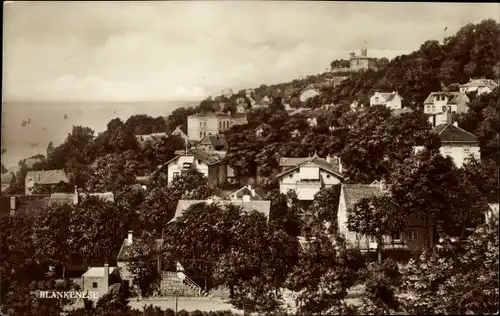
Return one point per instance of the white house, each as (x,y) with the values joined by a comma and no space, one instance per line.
(209,163)
(308,93)
(306,176)
(246,194)
(391,100)
(456,143)
(479,85)
(441,102)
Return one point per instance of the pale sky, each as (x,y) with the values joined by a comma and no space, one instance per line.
(155,51)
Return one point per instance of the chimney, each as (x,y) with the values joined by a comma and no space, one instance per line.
(76,197)
(382,185)
(106,277)
(246,198)
(340,165)
(12,205)
(130,237)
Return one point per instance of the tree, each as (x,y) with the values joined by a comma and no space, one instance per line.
(96,229)
(4,170)
(112,172)
(199,236)
(377,217)
(463,282)
(51,236)
(17,250)
(326,203)
(178,117)
(142,264)
(484,176)
(322,276)
(430,187)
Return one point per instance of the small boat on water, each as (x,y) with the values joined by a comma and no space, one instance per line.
(24,124)
(65,116)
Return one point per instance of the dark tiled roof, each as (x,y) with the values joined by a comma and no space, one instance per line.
(451,133)
(124,253)
(48,176)
(355,192)
(453,97)
(218,142)
(263,207)
(296,163)
(208,157)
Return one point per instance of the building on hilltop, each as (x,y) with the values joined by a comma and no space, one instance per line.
(456,143)
(391,100)
(359,63)
(480,86)
(211,123)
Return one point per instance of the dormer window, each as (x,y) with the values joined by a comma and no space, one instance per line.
(376,99)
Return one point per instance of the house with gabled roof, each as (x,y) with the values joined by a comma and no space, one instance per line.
(480,86)
(215,142)
(306,176)
(179,132)
(210,163)
(246,194)
(44,178)
(391,100)
(413,237)
(456,143)
(441,102)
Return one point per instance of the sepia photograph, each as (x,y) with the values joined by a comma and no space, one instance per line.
(224,158)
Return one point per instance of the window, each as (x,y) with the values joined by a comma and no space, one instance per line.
(467,150)
(433,108)
(201,124)
(199,161)
(328,176)
(428,108)
(204,124)
(94,285)
(176,174)
(201,134)
(396,237)
(413,234)
(376,99)
(444,109)
(220,125)
(204,134)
